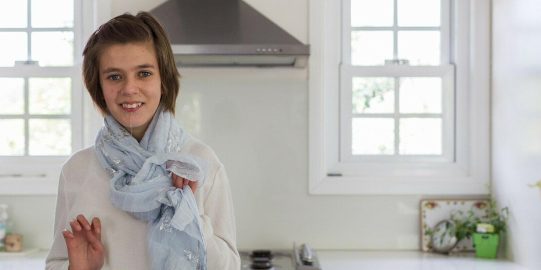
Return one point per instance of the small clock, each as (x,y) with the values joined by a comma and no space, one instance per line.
(444,236)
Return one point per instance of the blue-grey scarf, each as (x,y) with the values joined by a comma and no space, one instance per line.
(141,185)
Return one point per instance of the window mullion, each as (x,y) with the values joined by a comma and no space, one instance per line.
(37,71)
(346,31)
(29,30)
(390,28)
(26,117)
(398,70)
(396,116)
(446,31)
(395,30)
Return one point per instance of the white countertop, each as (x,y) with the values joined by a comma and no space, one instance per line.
(27,260)
(407,260)
(332,260)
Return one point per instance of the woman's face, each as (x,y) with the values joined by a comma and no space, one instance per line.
(131,84)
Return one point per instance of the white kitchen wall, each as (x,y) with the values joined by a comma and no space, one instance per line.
(257,122)
(516,122)
(256,119)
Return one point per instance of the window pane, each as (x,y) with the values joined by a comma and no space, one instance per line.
(420,136)
(12,93)
(49,95)
(53,48)
(371,13)
(419,47)
(373,95)
(419,12)
(13,48)
(420,95)
(12,137)
(372,136)
(49,137)
(13,14)
(371,47)
(43,10)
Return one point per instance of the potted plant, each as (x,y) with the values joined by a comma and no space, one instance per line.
(484,231)
(465,224)
(486,237)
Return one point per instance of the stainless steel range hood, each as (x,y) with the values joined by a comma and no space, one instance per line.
(227,33)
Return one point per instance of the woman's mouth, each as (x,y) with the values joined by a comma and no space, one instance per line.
(131,107)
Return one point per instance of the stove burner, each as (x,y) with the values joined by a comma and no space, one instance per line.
(261,265)
(261,259)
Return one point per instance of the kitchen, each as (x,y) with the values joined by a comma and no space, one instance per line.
(258,122)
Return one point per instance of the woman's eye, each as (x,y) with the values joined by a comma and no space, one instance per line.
(144,74)
(114,77)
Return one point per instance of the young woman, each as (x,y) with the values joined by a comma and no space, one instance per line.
(146,195)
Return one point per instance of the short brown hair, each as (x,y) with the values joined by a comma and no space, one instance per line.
(128,28)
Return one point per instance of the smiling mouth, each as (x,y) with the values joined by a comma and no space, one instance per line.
(131,107)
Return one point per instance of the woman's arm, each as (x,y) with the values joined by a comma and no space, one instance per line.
(218,222)
(80,248)
(58,255)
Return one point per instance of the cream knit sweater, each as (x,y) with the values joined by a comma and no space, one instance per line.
(84,189)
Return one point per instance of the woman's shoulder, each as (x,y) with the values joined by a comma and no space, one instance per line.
(83,157)
(196,147)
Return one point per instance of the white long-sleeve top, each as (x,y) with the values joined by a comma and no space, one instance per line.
(84,189)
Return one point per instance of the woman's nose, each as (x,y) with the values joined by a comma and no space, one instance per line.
(130,87)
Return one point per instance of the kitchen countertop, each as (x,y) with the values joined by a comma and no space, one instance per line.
(332,260)
(408,260)
(28,260)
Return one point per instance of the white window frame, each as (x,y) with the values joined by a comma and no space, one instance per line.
(38,175)
(465,173)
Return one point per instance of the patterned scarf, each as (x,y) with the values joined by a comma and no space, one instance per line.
(141,185)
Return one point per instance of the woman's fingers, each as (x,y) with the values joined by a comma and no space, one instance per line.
(83,222)
(80,224)
(75,226)
(177,181)
(96,227)
(82,230)
(67,234)
(180,182)
(74,236)
(193,185)
(92,238)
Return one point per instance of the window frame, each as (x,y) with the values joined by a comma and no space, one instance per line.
(468,173)
(38,175)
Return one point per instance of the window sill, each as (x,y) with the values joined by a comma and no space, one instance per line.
(29,185)
(397,186)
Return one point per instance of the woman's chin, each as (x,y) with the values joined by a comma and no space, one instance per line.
(135,128)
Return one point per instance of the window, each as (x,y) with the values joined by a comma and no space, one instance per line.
(40,83)
(397,83)
(392,103)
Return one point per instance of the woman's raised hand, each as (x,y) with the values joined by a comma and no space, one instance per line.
(180,182)
(85,250)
